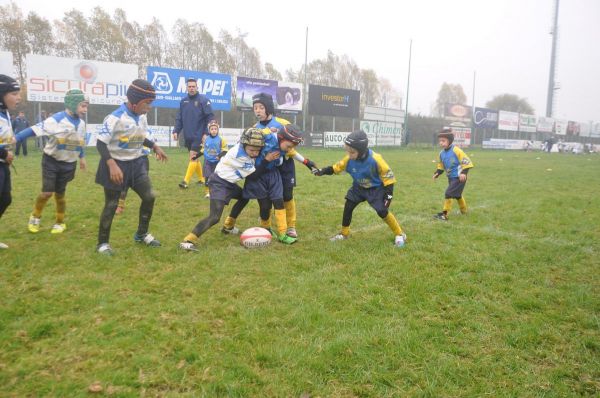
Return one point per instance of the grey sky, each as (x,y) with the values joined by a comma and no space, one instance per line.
(506,42)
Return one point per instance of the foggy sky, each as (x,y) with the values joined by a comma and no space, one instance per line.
(506,42)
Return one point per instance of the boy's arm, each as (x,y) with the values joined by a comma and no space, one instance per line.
(305,161)
(223,148)
(23,135)
(385,172)
(440,168)
(337,168)
(465,162)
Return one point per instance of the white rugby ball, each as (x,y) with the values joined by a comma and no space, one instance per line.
(255,237)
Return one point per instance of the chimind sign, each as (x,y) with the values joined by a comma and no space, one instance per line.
(171,87)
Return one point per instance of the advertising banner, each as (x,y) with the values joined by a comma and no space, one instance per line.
(458,113)
(287,96)
(560,126)
(6,63)
(49,78)
(485,118)
(527,123)
(382,114)
(333,101)
(545,124)
(508,121)
(462,135)
(573,128)
(595,133)
(386,134)
(335,139)
(171,87)
(585,129)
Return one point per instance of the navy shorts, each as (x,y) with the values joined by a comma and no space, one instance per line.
(56,174)
(288,173)
(374,196)
(134,172)
(209,169)
(266,186)
(5,184)
(223,190)
(455,188)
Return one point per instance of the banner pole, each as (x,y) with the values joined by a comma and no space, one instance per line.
(304,99)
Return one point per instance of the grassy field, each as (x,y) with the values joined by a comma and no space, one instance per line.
(503,302)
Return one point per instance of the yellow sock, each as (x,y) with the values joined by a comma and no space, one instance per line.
(61,207)
(462,203)
(290,213)
(199,171)
(447,205)
(190,238)
(38,207)
(391,221)
(229,222)
(190,171)
(206,190)
(281,221)
(345,231)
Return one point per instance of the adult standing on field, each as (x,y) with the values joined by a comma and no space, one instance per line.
(195,111)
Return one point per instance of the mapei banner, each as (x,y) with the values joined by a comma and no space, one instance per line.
(333,101)
(287,96)
(171,87)
(49,78)
(508,121)
(485,118)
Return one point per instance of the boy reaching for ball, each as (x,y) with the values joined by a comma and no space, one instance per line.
(373,181)
(456,163)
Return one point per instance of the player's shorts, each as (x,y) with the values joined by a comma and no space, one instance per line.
(266,186)
(208,169)
(56,174)
(134,172)
(455,188)
(288,173)
(5,183)
(374,196)
(223,190)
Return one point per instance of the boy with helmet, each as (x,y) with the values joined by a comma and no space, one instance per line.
(10,97)
(215,147)
(123,164)
(456,163)
(373,181)
(66,141)
(239,163)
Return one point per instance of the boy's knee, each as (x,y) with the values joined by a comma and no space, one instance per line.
(278,204)
(46,195)
(382,213)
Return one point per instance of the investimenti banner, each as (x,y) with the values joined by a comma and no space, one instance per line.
(49,78)
(333,101)
(171,87)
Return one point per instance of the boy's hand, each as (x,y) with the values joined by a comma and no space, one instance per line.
(160,154)
(175,136)
(9,158)
(435,176)
(462,177)
(116,174)
(82,164)
(272,156)
(310,164)
(317,172)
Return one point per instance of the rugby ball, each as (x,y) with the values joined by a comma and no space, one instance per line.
(255,237)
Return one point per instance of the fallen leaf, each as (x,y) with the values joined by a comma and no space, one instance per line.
(95,387)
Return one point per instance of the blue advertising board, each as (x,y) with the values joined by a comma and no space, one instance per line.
(485,118)
(171,87)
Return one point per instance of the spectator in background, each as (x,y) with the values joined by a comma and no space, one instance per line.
(19,124)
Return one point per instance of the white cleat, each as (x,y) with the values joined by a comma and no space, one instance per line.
(400,240)
(231,231)
(337,237)
(188,246)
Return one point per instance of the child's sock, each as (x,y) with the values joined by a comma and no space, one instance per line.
(447,206)
(391,221)
(229,222)
(190,171)
(345,230)
(199,171)
(281,221)
(290,213)
(61,207)
(191,238)
(462,203)
(40,203)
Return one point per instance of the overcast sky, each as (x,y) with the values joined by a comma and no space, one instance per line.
(506,42)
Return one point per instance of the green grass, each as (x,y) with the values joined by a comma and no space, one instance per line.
(503,302)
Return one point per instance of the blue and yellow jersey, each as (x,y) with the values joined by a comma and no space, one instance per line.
(272,142)
(213,146)
(453,160)
(371,172)
(6,132)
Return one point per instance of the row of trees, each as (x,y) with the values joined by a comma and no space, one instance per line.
(188,45)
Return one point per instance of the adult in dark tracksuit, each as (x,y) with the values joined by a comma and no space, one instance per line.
(195,111)
(19,124)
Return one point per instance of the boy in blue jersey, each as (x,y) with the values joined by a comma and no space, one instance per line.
(239,163)
(66,140)
(275,187)
(215,147)
(123,164)
(10,97)
(456,163)
(373,181)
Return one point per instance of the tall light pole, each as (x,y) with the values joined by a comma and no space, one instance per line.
(407,91)
(551,82)
(304,102)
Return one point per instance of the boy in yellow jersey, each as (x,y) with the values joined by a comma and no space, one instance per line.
(373,181)
(453,160)
(66,141)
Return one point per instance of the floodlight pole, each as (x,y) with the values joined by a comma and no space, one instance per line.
(407,90)
(551,82)
(304,110)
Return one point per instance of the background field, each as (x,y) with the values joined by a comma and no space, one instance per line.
(502,302)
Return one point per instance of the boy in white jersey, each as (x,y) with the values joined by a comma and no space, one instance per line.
(122,164)
(10,97)
(66,140)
